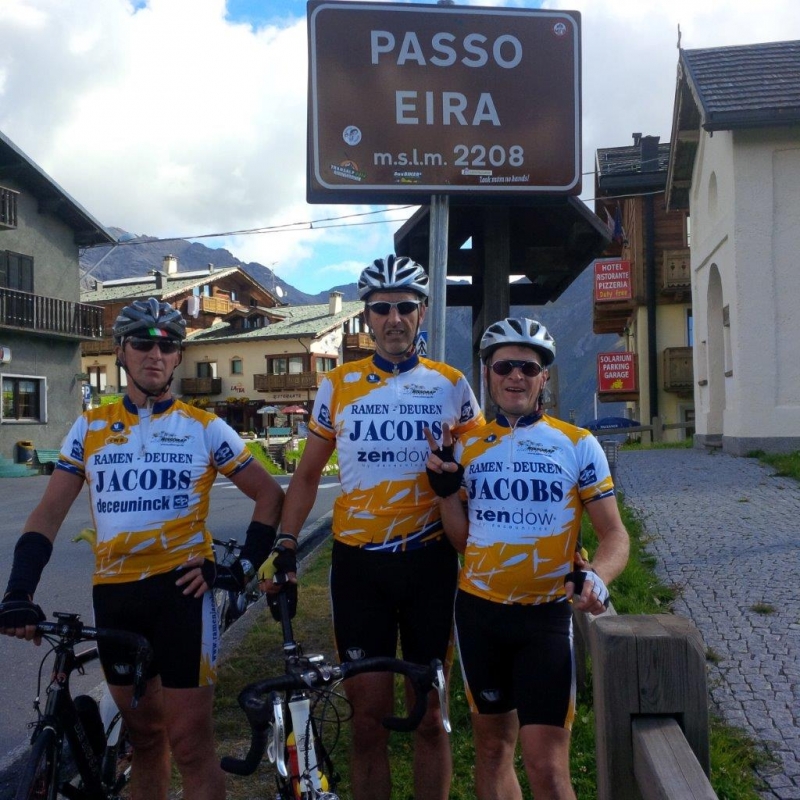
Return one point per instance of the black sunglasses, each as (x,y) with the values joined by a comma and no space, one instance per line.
(530,369)
(404,307)
(166,346)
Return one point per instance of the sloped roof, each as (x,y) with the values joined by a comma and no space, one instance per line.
(745,86)
(729,88)
(176,285)
(15,164)
(298,321)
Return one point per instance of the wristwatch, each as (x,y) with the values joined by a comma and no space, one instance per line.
(247,568)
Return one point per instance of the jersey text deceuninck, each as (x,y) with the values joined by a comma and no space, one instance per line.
(149,477)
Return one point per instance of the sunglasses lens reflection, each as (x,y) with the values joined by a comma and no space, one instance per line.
(384,308)
(166,346)
(530,369)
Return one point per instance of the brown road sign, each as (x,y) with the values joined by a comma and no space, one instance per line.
(411,99)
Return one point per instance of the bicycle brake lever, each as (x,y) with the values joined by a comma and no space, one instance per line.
(278,743)
(440,682)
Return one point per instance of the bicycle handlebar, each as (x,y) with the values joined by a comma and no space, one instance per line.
(253,699)
(71,630)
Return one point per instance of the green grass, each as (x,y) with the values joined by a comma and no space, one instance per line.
(787,465)
(637,591)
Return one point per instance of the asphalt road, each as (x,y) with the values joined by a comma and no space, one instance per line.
(66,586)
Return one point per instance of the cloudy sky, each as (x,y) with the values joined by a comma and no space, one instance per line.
(188,117)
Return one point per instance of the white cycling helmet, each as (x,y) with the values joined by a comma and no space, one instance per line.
(393,274)
(149,318)
(519,331)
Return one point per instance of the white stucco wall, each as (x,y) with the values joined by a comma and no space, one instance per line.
(745,208)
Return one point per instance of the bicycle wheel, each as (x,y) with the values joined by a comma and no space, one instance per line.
(40,777)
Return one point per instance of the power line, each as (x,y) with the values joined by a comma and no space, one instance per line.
(286,227)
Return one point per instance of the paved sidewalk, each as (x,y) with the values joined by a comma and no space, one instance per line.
(726,533)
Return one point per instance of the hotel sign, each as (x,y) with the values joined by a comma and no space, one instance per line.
(409,99)
(612,280)
(616,373)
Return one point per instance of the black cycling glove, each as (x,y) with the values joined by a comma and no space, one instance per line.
(16,611)
(445,483)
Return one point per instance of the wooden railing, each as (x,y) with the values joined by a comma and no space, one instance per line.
(678,369)
(278,383)
(358,341)
(201,385)
(215,305)
(650,703)
(98,347)
(49,316)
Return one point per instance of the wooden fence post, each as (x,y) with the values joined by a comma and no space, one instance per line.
(645,665)
(656,434)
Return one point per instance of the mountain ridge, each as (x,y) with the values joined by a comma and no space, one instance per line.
(569,318)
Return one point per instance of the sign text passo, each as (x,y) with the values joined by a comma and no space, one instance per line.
(407,99)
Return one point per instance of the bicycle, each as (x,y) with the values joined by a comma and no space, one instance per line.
(73,729)
(295,742)
(232,604)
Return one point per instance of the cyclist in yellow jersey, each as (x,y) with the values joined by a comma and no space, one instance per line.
(150,461)
(393,570)
(526,479)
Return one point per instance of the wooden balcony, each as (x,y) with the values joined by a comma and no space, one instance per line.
(100,347)
(215,305)
(358,341)
(676,273)
(201,385)
(282,383)
(678,369)
(49,316)
(8,208)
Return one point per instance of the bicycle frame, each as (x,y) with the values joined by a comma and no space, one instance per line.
(63,718)
(232,604)
(264,703)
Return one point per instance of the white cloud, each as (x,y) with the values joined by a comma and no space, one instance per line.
(166,118)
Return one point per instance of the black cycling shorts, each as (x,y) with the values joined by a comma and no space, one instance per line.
(517,657)
(376,595)
(182,630)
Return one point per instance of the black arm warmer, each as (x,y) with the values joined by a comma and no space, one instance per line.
(31,554)
(259,541)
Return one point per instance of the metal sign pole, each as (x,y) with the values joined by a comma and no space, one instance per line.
(437,270)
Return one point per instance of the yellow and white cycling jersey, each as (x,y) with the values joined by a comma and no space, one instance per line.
(149,475)
(526,488)
(377,413)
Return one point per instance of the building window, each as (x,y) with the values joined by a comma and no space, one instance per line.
(689,328)
(324,364)
(236,366)
(206,369)
(23,399)
(16,271)
(97,379)
(283,365)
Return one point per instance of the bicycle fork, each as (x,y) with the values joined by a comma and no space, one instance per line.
(302,770)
